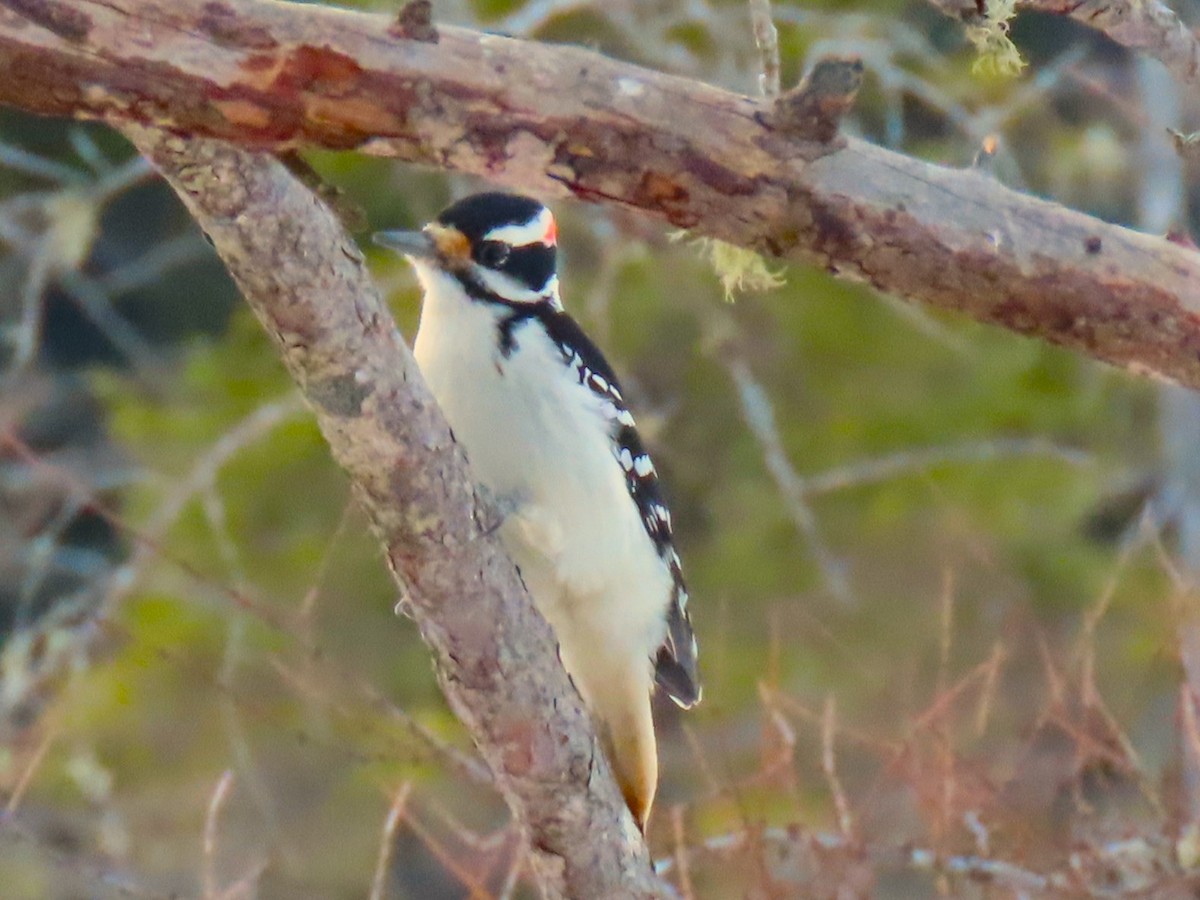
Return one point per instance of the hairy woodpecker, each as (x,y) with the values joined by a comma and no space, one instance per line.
(546,429)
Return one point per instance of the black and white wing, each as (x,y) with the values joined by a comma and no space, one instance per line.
(675,662)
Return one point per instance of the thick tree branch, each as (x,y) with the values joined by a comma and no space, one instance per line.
(495,657)
(1147,25)
(561,120)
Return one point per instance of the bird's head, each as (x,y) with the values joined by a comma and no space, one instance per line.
(499,247)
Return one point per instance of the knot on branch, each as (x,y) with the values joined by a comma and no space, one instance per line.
(415,23)
(813,110)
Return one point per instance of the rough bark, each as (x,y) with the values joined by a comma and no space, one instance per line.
(564,121)
(495,656)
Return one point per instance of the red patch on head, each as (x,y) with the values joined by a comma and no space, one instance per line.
(550,238)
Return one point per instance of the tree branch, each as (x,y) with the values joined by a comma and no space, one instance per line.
(495,656)
(1147,25)
(562,120)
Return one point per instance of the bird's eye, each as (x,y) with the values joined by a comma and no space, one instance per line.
(492,254)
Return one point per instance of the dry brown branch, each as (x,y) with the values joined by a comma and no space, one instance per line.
(215,804)
(681,863)
(987,693)
(387,840)
(495,657)
(35,761)
(845,817)
(1147,25)
(565,121)
(766,38)
(454,866)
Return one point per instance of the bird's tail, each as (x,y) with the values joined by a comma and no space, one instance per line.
(626,728)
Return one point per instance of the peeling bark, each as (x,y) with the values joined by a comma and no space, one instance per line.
(562,121)
(495,656)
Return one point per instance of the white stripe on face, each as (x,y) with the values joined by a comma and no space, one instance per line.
(513,291)
(538,230)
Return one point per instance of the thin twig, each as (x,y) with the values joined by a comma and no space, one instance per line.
(153,264)
(27,337)
(760,417)
(783,756)
(306,616)
(215,804)
(987,693)
(943,742)
(475,889)
(459,761)
(387,840)
(35,761)
(245,888)
(516,867)
(681,863)
(945,699)
(29,163)
(904,462)
(97,307)
(766,38)
(87,151)
(202,476)
(829,767)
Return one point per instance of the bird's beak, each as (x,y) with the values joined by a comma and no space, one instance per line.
(417,244)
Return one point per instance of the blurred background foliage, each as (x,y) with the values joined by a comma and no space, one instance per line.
(934,565)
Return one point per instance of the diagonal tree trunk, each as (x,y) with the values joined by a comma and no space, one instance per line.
(495,656)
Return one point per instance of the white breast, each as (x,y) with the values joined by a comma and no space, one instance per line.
(541,443)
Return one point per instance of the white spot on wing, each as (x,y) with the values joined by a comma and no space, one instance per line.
(643,466)
(626,459)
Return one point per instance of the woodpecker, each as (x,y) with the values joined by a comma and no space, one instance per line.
(547,431)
